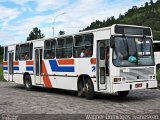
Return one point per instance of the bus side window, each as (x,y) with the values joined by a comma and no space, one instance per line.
(49,49)
(68,47)
(83,46)
(30,50)
(53,48)
(24,52)
(17,52)
(6,54)
(64,47)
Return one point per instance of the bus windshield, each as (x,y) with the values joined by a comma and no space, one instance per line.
(133,51)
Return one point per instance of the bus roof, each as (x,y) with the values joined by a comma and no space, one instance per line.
(78,33)
(48,38)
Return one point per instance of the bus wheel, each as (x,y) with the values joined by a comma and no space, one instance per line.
(123,93)
(28,83)
(88,89)
(80,88)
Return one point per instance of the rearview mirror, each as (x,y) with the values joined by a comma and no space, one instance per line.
(112,42)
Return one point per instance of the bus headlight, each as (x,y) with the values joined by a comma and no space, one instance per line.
(119,79)
(123,79)
(150,77)
(116,79)
(154,76)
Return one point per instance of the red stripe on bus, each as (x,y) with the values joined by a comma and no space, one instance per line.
(46,79)
(16,63)
(93,60)
(29,62)
(66,62)
(5,63)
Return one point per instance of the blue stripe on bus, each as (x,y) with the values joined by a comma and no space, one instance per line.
(29,68)
(5,68)
(56,68)
(15,68)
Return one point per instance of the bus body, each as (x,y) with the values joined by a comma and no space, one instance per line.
(59,63)
(156,46)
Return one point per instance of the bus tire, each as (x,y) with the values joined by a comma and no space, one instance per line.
(80,88)
(28,83)
(123,93)
(88,89)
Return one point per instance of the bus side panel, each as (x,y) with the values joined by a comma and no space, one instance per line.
(18,67)
(64,76)
(157,58)
(33,79)
(18,78)
(5,70)
(47,78)
(65,82)
(5,76)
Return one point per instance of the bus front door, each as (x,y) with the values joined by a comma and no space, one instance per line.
(10,66)
(101,65)
(38,65)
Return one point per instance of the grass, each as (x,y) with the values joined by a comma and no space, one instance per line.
(158,75)
(1,74)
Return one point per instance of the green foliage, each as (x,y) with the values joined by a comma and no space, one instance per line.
(1,54)
(151,2)
(35,34)
(149,15)
(158,75)
(61,32)
(1,74)
(99,24)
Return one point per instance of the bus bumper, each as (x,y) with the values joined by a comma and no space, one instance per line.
(134,86)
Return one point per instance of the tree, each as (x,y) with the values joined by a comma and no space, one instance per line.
(134,7)
(151,2)
(61,32)
(1,53)
(146,4)
(35,34)
(149,15)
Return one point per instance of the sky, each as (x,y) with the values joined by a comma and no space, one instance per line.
(19,17)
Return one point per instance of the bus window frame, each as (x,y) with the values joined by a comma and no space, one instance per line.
(83,47)
(63,47)
(131,37)
(50,49)
(28,51)
(6,53)
(17,52)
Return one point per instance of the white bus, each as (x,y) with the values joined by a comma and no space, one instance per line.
(156,47)
(113,59)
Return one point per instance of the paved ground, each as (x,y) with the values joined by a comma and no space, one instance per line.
(14,99)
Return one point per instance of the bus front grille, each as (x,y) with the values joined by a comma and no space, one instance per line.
(137,74)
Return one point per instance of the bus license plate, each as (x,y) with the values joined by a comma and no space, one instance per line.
(138,85)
